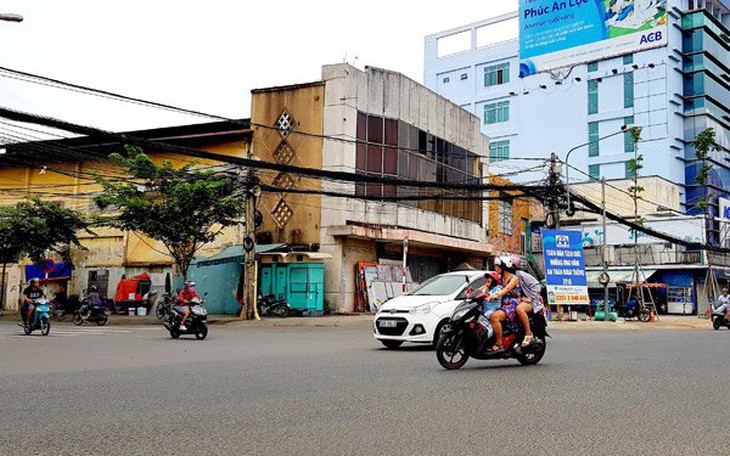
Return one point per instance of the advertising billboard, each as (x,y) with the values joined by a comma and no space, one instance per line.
(565,268)
(725,222)
(562,33)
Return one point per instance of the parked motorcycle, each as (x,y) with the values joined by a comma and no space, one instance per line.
(719,319)
(196,323)
(165,307)
(91,313)
(41,318)
(268,306)
(632,309)
(469,334)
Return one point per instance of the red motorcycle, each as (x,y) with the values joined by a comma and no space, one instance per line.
(469,334)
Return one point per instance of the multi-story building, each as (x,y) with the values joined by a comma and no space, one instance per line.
(674,92)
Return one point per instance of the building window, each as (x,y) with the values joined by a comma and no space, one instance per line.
(505,217)
(593,97)
(628,59)
(496,112)
(628,90)
(593,66)
(629,172)
(593,145)
(628,142)
(498,151)
(496,75)
(594,171)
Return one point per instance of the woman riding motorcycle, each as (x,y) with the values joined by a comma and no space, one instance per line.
(186,295)
(520,295)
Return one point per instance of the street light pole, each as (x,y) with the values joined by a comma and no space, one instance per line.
(10,17)
(580,146)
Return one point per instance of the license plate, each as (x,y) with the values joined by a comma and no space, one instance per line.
(388,324)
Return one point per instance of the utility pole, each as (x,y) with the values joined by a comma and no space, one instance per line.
(553,218)
(250,270)
(604,260)
(405,262)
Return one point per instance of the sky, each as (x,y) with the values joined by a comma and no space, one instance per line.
(206,55)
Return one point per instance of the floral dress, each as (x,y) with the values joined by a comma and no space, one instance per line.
(510,301)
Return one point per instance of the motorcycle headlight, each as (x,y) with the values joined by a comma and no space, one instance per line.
(460,314)
(423,308)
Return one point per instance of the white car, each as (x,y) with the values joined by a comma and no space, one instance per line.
(419,315)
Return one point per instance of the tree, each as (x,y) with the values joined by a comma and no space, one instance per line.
(34,228)
(184,208)
(703,144)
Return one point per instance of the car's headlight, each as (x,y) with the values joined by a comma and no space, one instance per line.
(423,308)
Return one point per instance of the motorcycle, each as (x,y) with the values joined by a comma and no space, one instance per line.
(469,334)
(41,318)
(165,307)
(719,319)
(196,323)
(268,306)
(91,313)
(632,309)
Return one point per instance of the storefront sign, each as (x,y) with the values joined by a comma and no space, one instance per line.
(558,34)
(565,269)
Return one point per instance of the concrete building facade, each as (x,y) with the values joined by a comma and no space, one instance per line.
(673,92)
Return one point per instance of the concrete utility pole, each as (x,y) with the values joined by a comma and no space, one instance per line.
(250,279)
(553,218)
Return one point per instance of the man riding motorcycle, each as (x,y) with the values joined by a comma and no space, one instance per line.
(186,295)
(520,295)
(30,295)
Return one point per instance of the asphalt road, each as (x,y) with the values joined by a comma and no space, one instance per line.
(331,391)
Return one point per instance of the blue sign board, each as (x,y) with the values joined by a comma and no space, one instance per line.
(563,33)
(565,268)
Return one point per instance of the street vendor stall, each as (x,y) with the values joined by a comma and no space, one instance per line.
(130,292)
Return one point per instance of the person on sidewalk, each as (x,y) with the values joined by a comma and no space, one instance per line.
(32,292)
(186,295)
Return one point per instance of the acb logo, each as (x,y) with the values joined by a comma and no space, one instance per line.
(651,38)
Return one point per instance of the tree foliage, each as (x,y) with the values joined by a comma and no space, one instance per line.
(34,228)
(704,144)
(184,208)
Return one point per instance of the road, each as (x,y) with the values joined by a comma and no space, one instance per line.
(331,391)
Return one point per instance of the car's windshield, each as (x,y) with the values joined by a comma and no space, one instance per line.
(441,285)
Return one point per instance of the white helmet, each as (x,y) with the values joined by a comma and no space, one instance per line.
(505,262)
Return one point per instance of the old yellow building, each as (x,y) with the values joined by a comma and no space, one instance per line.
(35,169)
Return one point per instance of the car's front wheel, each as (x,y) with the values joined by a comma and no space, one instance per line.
(391,344)
(441,328)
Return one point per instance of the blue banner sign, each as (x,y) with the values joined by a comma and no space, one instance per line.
(563,33)
(565,268)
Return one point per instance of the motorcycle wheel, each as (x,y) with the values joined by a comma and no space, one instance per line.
(45,326)
(645,315)
(78,319)
(201,331)
(102,320)
(530,359)
(451,351)
(175,333)
(27,330)
(280,311)
(160,311)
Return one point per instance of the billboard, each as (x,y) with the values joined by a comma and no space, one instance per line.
(565,268)
(562,33)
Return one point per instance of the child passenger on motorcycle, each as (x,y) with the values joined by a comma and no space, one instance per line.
(491,287)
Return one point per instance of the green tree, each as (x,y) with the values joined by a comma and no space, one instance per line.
(704,144)
(184,208)
(34,228)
